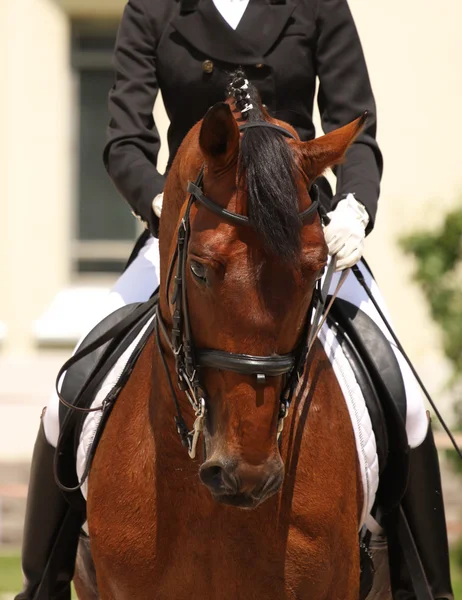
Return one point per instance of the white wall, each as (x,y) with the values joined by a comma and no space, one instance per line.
(413,50)
(35,151)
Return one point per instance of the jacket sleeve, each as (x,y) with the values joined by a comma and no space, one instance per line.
(344,94)
(133,142)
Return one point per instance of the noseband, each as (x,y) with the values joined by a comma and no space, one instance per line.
(189,360)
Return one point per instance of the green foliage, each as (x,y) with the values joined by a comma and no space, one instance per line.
(438,271)
(457,555)
(10,573)
(456,570)
(438,257)
(11,576)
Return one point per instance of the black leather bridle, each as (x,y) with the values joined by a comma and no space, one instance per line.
(189,359)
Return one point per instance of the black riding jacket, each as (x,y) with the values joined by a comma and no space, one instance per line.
(186,49)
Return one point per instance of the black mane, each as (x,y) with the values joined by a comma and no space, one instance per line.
(267,171)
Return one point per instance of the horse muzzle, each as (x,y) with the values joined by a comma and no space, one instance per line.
(240,484)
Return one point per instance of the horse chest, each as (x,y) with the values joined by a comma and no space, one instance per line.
(218,553)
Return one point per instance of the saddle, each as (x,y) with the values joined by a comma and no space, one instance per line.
(97,355)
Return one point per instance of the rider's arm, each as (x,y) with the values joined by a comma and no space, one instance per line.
(344,94)
(133,143)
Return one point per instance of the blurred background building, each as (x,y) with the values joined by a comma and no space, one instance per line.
(65,233)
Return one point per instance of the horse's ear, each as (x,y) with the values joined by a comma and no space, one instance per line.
(219,135)
(330,149)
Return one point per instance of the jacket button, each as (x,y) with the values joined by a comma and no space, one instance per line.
(207,66)
(260,65)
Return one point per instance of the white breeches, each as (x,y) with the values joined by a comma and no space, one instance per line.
(141,278)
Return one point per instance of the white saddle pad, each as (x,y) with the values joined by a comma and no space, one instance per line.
(360,420)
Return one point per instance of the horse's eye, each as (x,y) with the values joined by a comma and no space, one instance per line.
(198,270)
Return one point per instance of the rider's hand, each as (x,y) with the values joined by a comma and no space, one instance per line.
(346,232)
(157,204)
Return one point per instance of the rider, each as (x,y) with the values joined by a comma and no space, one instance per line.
(187,48)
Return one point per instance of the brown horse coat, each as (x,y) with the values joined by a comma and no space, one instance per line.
(156,531)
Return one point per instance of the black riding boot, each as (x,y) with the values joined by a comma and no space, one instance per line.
(424,510)
(50,524)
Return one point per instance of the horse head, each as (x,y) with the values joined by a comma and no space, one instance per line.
(247,286)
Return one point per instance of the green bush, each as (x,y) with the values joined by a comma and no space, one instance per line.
(438,258)
(10,573)
(438,271)
(456,554)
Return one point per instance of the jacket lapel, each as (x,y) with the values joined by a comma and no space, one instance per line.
(263,23)
(259,29)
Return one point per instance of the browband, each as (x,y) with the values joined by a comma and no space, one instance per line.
(237,219)
(216,208)
(269,126)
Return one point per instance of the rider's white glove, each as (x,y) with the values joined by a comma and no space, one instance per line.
(157,204)
(346,232)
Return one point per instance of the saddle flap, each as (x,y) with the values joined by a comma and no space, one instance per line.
(85,375)
(78,376)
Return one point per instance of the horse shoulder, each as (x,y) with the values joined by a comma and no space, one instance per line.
(322,493)
(121,491)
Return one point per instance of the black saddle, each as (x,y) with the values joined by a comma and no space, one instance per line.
(84,374)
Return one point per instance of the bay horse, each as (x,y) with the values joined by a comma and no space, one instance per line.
(255,515)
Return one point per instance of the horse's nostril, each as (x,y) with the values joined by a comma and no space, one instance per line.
(211,476)
(218,479)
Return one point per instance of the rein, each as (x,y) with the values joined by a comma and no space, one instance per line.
(189,360)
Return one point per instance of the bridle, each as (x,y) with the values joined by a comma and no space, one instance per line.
(189,359)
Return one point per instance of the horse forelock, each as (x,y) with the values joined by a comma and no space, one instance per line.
(267,174)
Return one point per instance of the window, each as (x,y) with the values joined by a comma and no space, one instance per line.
(104,228)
